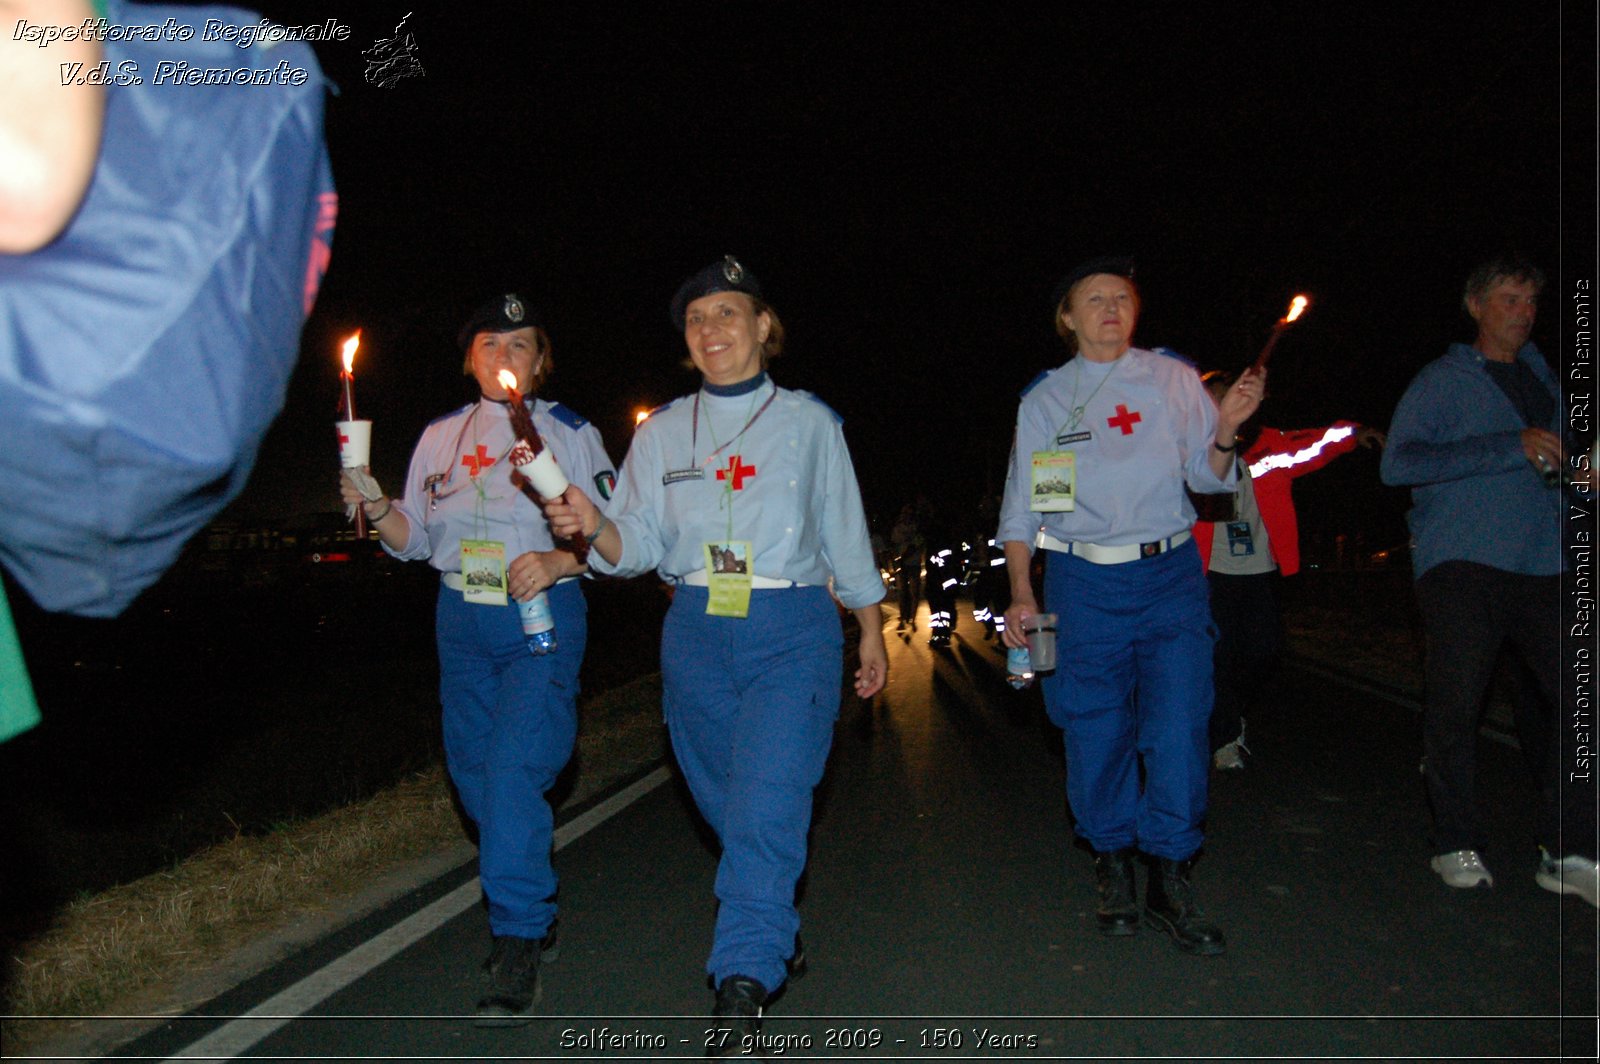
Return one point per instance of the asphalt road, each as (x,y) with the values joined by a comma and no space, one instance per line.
(948,916)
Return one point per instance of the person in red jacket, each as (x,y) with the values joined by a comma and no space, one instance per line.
(1247,539)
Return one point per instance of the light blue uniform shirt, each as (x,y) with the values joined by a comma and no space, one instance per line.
(797,502)
(441,495)
(1150,425)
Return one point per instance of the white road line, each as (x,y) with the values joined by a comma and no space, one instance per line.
(235,1037)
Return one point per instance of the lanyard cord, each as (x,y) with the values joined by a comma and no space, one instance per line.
(726,501)
(1075,412)
(480,515)
(694,434)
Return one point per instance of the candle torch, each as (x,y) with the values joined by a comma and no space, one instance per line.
(1297,307)
(355,436)
(531,458)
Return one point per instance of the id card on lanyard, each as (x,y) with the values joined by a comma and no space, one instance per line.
(1054,482)
(483,561)
(483,572)
(1054,486)
(728,578)
(1241,544)
(729,562)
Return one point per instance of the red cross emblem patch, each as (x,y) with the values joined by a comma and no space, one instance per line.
(736,472)
(476,463)
(1125,419)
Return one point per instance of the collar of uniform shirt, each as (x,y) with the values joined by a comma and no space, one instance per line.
(725,391)
(741,388)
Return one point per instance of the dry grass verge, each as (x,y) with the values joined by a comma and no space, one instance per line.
(126,950)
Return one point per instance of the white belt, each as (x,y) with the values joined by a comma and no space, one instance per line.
(1100,554)
(454,582)
(698,579)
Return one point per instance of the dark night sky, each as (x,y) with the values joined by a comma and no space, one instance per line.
(908,187)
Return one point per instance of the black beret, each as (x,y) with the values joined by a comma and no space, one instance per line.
(725,275)
(1116,265)
(503,313)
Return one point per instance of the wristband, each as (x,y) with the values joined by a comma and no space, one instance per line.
(388,505)
(1234,446)
(598,528)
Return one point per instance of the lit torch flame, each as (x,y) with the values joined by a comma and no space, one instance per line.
(1297,307)
(347,385)
(639,417)
(507,379)
(350,346)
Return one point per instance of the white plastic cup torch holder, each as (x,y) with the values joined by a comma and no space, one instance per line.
(545,475)
(355,443)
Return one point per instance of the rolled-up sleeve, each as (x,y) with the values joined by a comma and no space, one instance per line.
(1200,432)
(846,546)
(1018,522)
(635,509)
(414,504)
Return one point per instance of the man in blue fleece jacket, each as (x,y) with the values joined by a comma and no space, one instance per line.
(1477,438)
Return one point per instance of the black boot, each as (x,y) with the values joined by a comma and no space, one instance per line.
(513,971)
(736,1019)
(1118,913)
(1169,905)
(550,944)
(797,965)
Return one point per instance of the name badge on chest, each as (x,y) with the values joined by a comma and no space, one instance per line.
(678,476)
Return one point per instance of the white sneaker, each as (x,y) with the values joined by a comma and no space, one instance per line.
(1228,757)
(1463,868)
(1570,875)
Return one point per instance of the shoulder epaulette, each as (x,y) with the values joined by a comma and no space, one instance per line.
(567,416)
(664,406)
(1170,353)
(819,402)
(1035,382)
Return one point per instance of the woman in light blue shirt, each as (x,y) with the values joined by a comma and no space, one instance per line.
(1104,449)
(743,496)
(510,714)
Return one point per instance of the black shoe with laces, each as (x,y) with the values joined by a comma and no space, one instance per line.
(1169,905)
(736,1019)
(1118,913)
(513,974)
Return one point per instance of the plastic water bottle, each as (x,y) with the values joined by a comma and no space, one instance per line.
(538,624)
(1019,670)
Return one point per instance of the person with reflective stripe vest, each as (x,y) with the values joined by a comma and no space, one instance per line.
(1259,540)
(1274,461)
